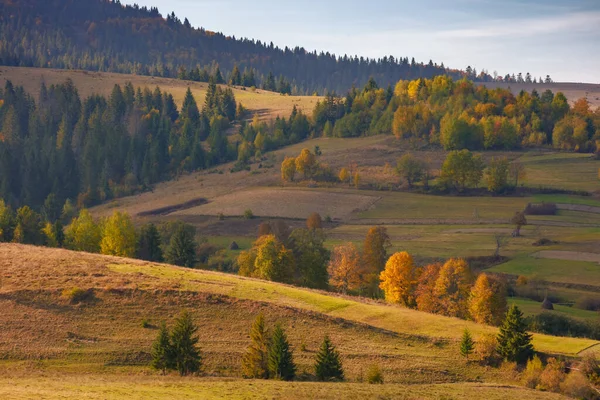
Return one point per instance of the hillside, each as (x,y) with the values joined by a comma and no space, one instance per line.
(104,337)
(106,36)
(267,105)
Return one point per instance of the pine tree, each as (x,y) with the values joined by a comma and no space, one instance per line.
(466,344)
(182,247)
(514,343)
(186,354)
(255,363)
(162,352)
(328,365)
(280,361)
(149,244)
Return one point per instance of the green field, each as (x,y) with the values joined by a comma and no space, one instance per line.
(530,307)
(570,171)
(563,271)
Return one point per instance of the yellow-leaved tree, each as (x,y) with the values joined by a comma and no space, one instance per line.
(118,236)
(344,175)
(83,234)
(306,163)
(288,169)
(399,280)
(487,302)
(344,268)
(268,259)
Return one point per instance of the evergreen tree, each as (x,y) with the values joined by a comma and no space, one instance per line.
(255,363)
(149,244)
(269,83)
(236,78)
(7,222)
(162,351)
(280,361)
(328,365)
(466,344)
(182,247)
(186,354)
(514,343)
(219,77)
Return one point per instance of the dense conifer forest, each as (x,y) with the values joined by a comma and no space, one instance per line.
(103,35)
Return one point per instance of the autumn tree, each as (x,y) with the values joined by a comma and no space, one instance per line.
(517,172)
(311,257)
(461,169)
(344,175)
(399,280)
(118,236)
(280,359)
(306,163)
(273,262)
(344,268)
(453,287)
(487,302)
(496,174)
(374,257)
(427,300)
(514,343)
(328,365)
(28,225)
(410,168)
(54,234)
(288,169)
(518,220)
(84,234)
(255,362)
(186,355)
(314,221)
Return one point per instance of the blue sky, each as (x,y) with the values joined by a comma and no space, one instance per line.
(556,37)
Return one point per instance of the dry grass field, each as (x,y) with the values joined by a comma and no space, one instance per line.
(266,104)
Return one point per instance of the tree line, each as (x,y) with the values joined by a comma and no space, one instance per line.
(109,36)
(458,114)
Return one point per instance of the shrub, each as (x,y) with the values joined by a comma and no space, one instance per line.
(374,375)
(541,209)
(552,376)
(146,324)
(220,216)
(531,375)
(248,214)
(588,303)
(577,386)
(485,349)
(77,295)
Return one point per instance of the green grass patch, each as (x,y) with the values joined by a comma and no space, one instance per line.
(572,171)
(531,307)
(563,271)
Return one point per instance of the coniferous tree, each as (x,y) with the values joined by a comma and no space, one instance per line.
(255,363)
(328,365)
(182,247)
(466,344)
(280,360)
(236,78)
(514,343)
(149,244)
(186,355)
(162,351)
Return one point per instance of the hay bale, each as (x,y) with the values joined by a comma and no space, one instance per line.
(234,246)
(547,304)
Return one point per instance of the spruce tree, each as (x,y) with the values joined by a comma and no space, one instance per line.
(186,354)
(328,365)
(514,343)
(149,244)
(466,344)
(182,247)
(280,361)
(255,361)
(162,353)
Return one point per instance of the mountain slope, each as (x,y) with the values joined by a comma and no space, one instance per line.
(106,36)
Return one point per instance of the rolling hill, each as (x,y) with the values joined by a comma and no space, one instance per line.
(55,347)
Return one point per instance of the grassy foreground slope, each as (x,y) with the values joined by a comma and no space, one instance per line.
(266,104)
(53,348)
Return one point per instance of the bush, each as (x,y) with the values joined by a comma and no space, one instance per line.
(77,295)
(485,350)
(531,375)
(560,325)
(374,375)
(248,214)
(541,209)
(146,324)
(588,303)
(577,386)
(552,376)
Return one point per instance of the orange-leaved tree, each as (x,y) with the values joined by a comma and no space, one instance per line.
(344,268)
(453,287)
(487,302)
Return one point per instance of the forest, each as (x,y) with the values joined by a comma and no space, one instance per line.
(108,36)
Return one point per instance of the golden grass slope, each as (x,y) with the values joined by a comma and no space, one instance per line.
(266,104)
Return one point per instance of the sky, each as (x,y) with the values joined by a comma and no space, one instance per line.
(556,37)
